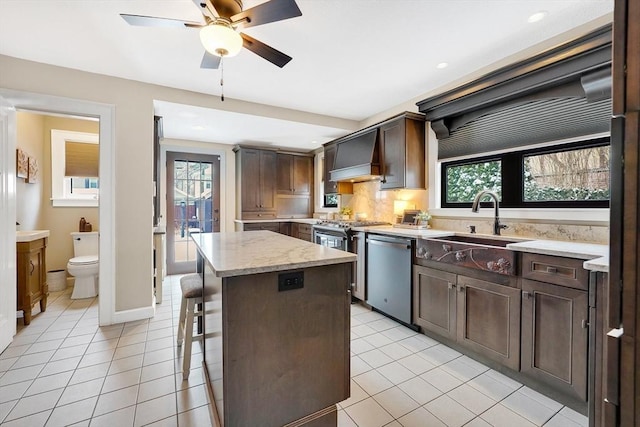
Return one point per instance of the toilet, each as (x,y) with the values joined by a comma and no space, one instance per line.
(84,264)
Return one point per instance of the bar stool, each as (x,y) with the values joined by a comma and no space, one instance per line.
(192,292)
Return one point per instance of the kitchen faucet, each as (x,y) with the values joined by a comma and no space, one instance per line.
(475,207)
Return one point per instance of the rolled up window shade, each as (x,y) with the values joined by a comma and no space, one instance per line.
(81,159)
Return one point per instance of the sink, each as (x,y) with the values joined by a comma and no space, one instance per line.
(485,252)
(481,240)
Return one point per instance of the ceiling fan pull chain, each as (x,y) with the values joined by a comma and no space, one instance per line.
(222,78)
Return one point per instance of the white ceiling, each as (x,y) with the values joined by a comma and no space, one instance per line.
(352,59)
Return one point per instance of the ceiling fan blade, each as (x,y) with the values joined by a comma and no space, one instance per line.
(267,52)
(270,11)
(152,21)
(210,61)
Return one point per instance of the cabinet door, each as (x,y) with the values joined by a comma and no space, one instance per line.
(330,187)
(302,175)
(434,301)
(285,174)
(489,320)
(250,170)
(359,245)
(268,180)
(392,143)
(35,280)
(554,336)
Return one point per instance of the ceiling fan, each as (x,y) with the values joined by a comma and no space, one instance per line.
(219,34)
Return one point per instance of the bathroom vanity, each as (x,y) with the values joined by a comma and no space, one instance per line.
(31,249)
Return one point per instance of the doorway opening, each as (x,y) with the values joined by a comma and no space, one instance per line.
(193,205)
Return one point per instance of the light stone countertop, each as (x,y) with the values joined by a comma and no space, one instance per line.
(258,221)
(31,235)
(421,233)
(558,248)
(597,256)
(597,264)
(250,252)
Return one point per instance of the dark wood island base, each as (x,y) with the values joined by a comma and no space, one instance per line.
(276,347)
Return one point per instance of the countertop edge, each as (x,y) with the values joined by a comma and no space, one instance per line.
(282,267)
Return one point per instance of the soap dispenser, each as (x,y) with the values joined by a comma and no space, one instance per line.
(83,224)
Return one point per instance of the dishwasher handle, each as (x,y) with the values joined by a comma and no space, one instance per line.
(404,244)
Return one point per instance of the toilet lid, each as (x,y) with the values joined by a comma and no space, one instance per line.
(83,260)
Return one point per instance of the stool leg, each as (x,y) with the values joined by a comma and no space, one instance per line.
(188,331)
(181,321)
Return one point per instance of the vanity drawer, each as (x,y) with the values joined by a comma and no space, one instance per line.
(557,270)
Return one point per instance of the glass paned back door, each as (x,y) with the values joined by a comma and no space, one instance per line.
(193,206)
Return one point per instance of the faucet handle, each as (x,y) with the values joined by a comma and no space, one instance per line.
(503,226)
(472,229)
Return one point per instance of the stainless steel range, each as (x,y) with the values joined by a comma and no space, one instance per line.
(338,234)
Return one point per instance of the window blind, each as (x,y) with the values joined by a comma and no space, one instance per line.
(81,159)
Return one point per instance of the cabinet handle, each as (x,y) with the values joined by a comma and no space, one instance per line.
(526,294)
(450,285)
(584,324)
(460,288)
(552,270)
(33,267)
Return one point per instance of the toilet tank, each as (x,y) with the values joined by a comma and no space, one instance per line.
(85,243)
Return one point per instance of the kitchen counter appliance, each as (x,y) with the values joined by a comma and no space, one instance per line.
(389,276)
(340,235)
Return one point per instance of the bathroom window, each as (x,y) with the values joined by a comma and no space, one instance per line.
(574,175)
(74,168)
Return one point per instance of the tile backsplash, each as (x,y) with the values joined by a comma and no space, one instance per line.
(367,198)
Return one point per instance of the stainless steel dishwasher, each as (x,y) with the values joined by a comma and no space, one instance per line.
(389,275)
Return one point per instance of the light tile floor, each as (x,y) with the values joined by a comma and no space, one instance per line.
(65,370)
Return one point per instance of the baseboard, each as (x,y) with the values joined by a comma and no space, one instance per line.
(133,314)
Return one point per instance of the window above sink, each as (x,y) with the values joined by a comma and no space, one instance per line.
(574,175)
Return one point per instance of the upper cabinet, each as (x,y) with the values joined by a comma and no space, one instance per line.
(402,150)
(256,182)
(295,174)
(270,184)
(333,187)
(392,151)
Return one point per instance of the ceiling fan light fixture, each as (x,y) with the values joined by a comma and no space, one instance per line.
(220,39)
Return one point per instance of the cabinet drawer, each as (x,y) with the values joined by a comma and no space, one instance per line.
(270,226)
(258,215)
(304,228)
(557,270)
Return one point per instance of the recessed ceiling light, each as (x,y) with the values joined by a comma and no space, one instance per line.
(197,127)
(538,16)
(442,65)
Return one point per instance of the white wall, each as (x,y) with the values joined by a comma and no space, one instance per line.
(133,149)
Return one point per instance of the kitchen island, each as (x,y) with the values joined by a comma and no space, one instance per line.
(277,328)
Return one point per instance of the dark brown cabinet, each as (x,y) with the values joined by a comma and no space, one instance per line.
(333,187)
(256,183)
(31,276)
(479,315)
(434,301)
(295,174)
(554,336)
(488,320)
(304,232)
(358,288)
(270,226)
(403,152)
